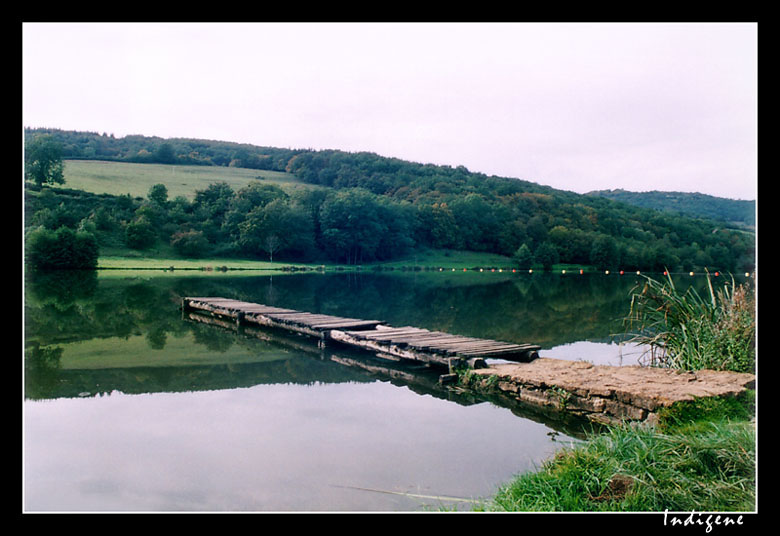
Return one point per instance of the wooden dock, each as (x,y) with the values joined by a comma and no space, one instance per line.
(599,393)
(396,343)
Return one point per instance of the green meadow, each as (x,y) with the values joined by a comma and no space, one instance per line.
(120,178)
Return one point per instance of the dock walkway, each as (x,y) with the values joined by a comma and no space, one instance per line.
(406,342)
(602,394)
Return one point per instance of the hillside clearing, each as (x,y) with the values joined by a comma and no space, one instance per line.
(120,178)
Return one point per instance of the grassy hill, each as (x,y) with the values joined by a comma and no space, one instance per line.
(120,178)
(226,200)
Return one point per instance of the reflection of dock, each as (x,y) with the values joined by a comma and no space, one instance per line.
(416,376)
(602,394)
(410,343)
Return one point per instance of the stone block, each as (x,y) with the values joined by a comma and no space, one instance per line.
(539,398)
(624,411)
(591,404)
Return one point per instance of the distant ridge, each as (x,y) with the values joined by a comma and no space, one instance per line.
(734,211)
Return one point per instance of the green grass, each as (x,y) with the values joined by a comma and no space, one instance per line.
(700,456)
(445,258)
(120,178)
(151,263)
(162,258)
(707,467)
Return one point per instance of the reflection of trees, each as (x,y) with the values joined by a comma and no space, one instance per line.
(61,288)
(156,337)
(213,339)
(547,309)
(41,369)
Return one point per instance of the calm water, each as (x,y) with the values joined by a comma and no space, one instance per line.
(130,407)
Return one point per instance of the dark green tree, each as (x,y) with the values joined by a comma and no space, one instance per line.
(189,243)
(547,255)
(158,194)
(604,253)
(276,227)
(523,257)
(63,249)
(352,226)
(139,234)
(165,154)
(43,161)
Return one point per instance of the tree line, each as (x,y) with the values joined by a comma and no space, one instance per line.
(76,145)
(377,208)
(736,211)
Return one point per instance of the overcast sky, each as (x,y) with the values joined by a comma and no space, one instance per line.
(574,106)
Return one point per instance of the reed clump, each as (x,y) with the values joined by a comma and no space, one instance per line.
(690,331)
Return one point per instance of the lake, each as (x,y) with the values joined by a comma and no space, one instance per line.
(129,406)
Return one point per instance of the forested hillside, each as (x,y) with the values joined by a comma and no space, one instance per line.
(735,211)
(371,208)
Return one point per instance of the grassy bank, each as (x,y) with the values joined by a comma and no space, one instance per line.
(424,260)
(700,455)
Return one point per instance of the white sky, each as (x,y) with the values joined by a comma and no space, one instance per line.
(574,106)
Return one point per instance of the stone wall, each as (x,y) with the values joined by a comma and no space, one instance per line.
(605,394)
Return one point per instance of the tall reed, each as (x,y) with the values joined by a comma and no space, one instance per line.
(688,331)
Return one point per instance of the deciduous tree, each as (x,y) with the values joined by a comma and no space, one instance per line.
(43,161)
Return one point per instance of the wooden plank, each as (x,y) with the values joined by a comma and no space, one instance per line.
(495,351)
(489,348)
(347,324)
(440,342)
(385,334)
(485,344)
(267,309)
(418,335)
(413,340)
(448,341)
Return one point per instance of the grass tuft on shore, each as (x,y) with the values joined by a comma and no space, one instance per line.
(708,466)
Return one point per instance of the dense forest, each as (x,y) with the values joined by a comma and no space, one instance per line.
(370,208)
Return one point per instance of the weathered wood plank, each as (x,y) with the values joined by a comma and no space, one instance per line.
(384,334)
(347,324)
(497,352)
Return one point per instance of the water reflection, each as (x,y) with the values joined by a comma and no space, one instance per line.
(132,406)
(112,325)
